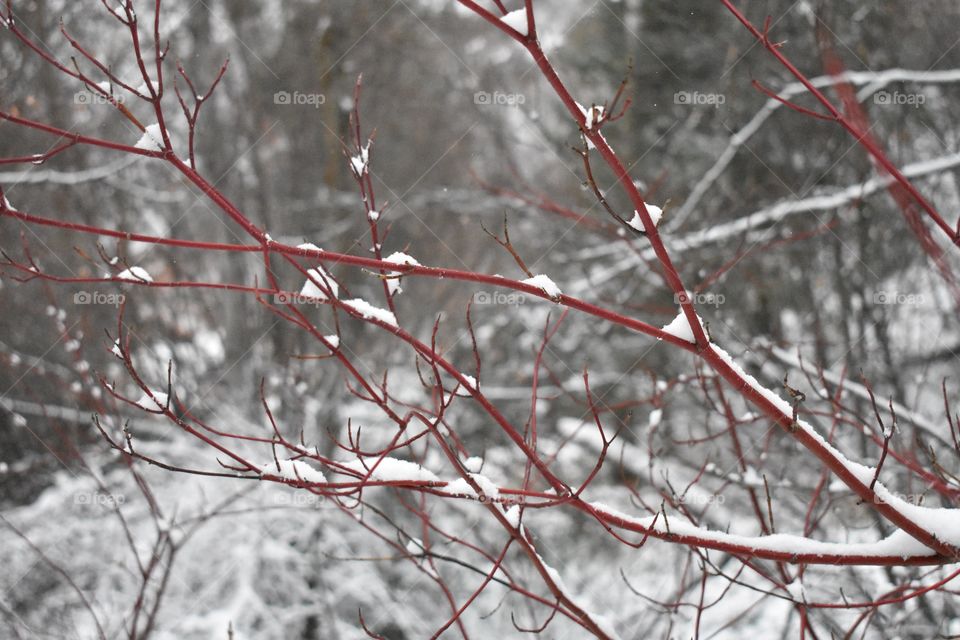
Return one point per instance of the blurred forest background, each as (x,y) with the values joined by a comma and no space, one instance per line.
(775,215)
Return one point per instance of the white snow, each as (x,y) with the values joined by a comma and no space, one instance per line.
(373,215)
(134,274)
(898,544)
(944,523)
(309,246)
(157,403)
(461,487)
(370,312)
(334,340)
(557,580)
(655,214)
(398,257)
(145,89)
(592,116)
(785,407)
(471,384)
(310,288)
(359,166)
(516,20)
(116,349)
(545,284)
(513,515)
(655,417)
(588,120)
(392,470)
(751,478)
(360,162)
(152,139)
(473,464)
(680,328)
(415,546)
(487,485)
(294,470)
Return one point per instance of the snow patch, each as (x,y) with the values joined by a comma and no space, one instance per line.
(655,417)
(312,290)
(513,516)
(782,405)
(397,257)
(392,470)
(370,312)
(152,139)
(293,470)
(415,547)
(516,20)
(592,116)
(545,284)
(470,384)
(680,328)
(461,487)
(360,163)
(134,274)
(655,214)
(144,89)
(157,403)
(899,543)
